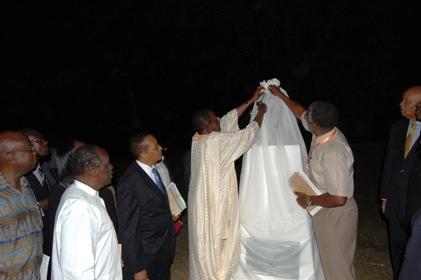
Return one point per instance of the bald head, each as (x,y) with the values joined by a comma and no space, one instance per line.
(16,152)
(9,140)
(410,98)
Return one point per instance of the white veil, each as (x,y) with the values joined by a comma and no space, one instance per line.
(277,239)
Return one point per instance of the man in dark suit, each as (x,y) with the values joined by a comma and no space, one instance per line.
(400,155)
(413,202)
(37,179)
(411,267)
(145,223)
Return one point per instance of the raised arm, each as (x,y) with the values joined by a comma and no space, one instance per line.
(256,95)
(294,106)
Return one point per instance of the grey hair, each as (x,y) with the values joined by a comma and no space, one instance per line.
(83,159)
(324,114)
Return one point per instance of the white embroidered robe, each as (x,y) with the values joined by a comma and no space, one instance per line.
(213,211)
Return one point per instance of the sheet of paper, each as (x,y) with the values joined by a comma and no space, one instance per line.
(299,182)
(176,201)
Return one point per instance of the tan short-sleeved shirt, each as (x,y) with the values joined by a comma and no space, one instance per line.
(330,163)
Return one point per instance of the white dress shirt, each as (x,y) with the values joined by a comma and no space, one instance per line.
(148,170)
(39,174)
(85,243)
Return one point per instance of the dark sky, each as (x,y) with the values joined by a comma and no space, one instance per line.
(102,71)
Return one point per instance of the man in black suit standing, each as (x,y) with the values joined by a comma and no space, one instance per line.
(37,179)
(145,223)
(413,202)
(411,267)
(400,155)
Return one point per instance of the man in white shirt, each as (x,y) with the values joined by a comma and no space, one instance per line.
(85,242)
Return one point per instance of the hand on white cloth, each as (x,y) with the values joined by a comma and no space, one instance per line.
(272,82)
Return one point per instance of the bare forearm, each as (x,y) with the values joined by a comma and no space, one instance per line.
(294,106)
(256,95)
(243,107)
(141,275)
(327,200)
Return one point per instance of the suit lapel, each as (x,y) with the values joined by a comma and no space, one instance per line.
(149,183)
(402,135)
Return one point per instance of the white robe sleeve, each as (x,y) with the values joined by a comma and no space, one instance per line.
(229,122)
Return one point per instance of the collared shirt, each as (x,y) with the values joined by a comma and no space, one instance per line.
(330,162)
(39,174)
(148,170)
(20,232)
(85,242)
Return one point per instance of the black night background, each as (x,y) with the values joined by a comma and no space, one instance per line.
(102,71)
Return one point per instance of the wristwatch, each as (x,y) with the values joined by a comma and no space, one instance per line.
(308,201)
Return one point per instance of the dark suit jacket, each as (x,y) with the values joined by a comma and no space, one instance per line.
(396,170)
(413,202)
(41,191)
(411,267)
(145,224)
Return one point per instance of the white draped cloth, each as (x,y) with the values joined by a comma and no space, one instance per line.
(277,238)
(213,212)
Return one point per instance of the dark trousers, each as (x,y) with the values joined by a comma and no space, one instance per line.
(155,272)
(398,237)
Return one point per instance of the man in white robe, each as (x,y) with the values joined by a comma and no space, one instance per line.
(213,216)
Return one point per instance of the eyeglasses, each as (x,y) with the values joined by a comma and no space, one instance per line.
(20,150)
(24,150)
(38,140)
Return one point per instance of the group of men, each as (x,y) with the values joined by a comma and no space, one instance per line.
(86,244)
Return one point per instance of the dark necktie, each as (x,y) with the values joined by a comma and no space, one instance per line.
(41,175)
(158,180)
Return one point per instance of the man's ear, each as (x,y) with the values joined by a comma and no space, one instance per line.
(92,171)
(10,156)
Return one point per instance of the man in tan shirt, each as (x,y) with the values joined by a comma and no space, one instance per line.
(330,168)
